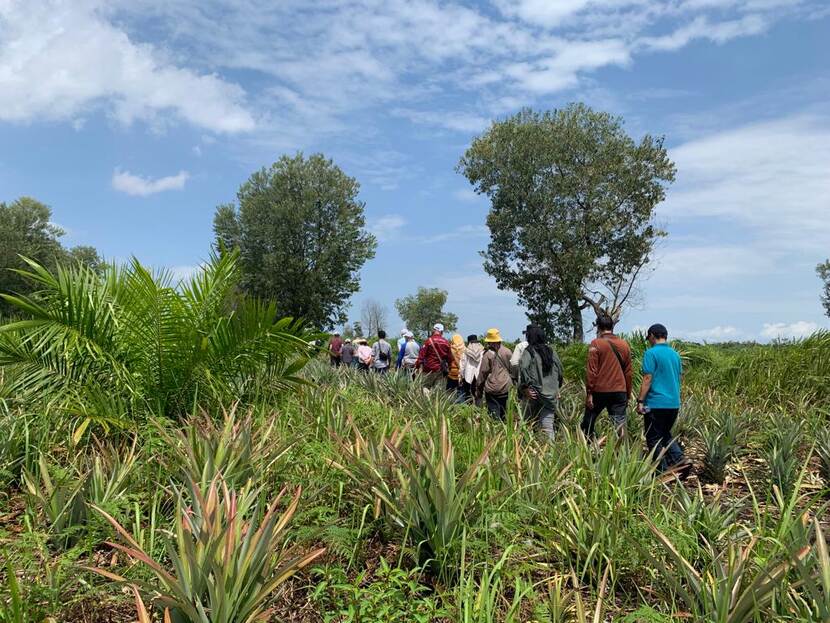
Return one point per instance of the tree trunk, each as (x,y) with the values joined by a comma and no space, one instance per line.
(576,321)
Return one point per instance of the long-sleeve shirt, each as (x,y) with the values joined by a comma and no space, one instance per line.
(494,373)
(546,385)
(435,350)
(604,371)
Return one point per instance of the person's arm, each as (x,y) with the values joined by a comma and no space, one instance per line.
(419,363)
(591,373)
(526,377)
(628,374)
(401,353)
(483,373)
(645,385)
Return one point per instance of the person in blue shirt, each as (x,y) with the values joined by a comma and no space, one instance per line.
(659,401)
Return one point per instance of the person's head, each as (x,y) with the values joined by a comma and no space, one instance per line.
(438,328)
(337,334)
(472,339)
(381,334)
(404,331)
(657,333)
(348,341)
(409,335)
(457,341)
(492,339)
(535,335)
(605,323)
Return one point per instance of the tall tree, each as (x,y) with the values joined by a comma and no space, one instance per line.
(572,208)
(300,229)
(373,316)
(26,230)
(423,309)
(823,271)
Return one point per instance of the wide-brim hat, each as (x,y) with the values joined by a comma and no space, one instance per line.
(493,335)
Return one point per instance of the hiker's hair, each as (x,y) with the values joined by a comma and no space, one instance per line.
(537,344)
(472,338)
(605,322)
(381,334)
(658,332)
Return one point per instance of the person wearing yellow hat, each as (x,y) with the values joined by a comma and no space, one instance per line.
(494,380)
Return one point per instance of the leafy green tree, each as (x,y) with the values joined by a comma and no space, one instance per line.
(88,256)
(25,230)
(300,229)
(572,208)
(110,348)
(423,309)
(823,271)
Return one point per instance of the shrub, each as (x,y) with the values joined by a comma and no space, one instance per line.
(781,455)
(721,438)
(227,555)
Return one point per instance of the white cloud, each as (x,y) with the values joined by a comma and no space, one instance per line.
(726,333)
(770,177)
(793,330)
(325,63)
(387,227)
(466,194)
(139,186)
(60,58)
(464,231)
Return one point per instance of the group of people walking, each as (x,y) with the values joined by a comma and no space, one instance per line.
(485,374)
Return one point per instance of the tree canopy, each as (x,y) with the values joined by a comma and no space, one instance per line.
(823,271)
(300,229)
(423,309)
(572,210)
(26,231)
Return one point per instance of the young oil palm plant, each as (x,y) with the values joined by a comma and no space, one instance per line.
(106,348)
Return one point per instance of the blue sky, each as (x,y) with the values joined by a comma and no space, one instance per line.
(134,119)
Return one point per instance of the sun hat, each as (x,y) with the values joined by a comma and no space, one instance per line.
(404,331)
(438,327)
(493,335)
(408,333)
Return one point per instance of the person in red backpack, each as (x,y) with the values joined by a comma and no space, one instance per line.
(435,358)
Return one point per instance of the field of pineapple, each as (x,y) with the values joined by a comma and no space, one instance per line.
(165,457)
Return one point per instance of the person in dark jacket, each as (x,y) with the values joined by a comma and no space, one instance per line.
(494,380)
(347,354)
(607,378)
(435,358)
(540,379)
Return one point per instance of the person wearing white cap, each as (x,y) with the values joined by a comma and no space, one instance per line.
(435,358)
(409,353)
(401,346)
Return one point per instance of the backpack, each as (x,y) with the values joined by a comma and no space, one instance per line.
(383,355)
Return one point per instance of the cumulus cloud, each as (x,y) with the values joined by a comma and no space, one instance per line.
(139,186)
(59,58)
(770,177)
(793,330)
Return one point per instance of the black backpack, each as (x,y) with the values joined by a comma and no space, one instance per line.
(383,355)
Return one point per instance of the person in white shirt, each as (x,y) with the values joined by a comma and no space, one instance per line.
(470,364)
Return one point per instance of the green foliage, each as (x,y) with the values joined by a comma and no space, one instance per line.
(822,450)
(227,554)
(781,455)
(721,437)
(572,208)
(107,349)
(823,271)
(420,311)
(300,230)
(731,590)
(389,594)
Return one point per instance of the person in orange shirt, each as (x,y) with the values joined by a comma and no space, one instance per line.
(607,378)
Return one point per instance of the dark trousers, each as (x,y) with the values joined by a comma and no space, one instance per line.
(452,384)
(615,402)
(335,360)
(363,367)
(496,404)
(658,424)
